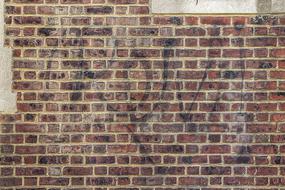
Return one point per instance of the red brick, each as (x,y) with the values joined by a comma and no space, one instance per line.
(193,181)
(110,95)
(10,182)
(238,181)
(215,149)
(122,148)
(77,171)
(279,53)
(30,149)
(215,20)
(52,181)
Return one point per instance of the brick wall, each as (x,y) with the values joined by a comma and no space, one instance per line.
(113,97)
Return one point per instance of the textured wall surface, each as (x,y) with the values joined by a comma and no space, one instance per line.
(112,97)
(218,6)
(7,98)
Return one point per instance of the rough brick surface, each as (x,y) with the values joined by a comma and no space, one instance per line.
(113,97)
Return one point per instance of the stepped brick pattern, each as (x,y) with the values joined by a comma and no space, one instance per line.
(113,97)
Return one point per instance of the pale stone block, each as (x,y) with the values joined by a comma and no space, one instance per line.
(218,6)
(263,6)
(8,102)
(1,23)
(7,98)
(5,69)
(278,6)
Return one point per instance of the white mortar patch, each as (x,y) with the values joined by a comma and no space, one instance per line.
(218,6)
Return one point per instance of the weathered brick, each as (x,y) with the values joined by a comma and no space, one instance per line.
(260,42)
(30,171)
(193,181)
(169,149)
(99,10)
(30,149)
(97,31)
(143,31)
(279,53)
(52,181)
(53,160)
(123,171)
(75,171)
(195,31)
(122,148)
(100,181)
(75,1)
(147,181)
(26,20)
(100,160)
(216,149)
(111,96)
(10,182)
(215,20)
(238,181)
